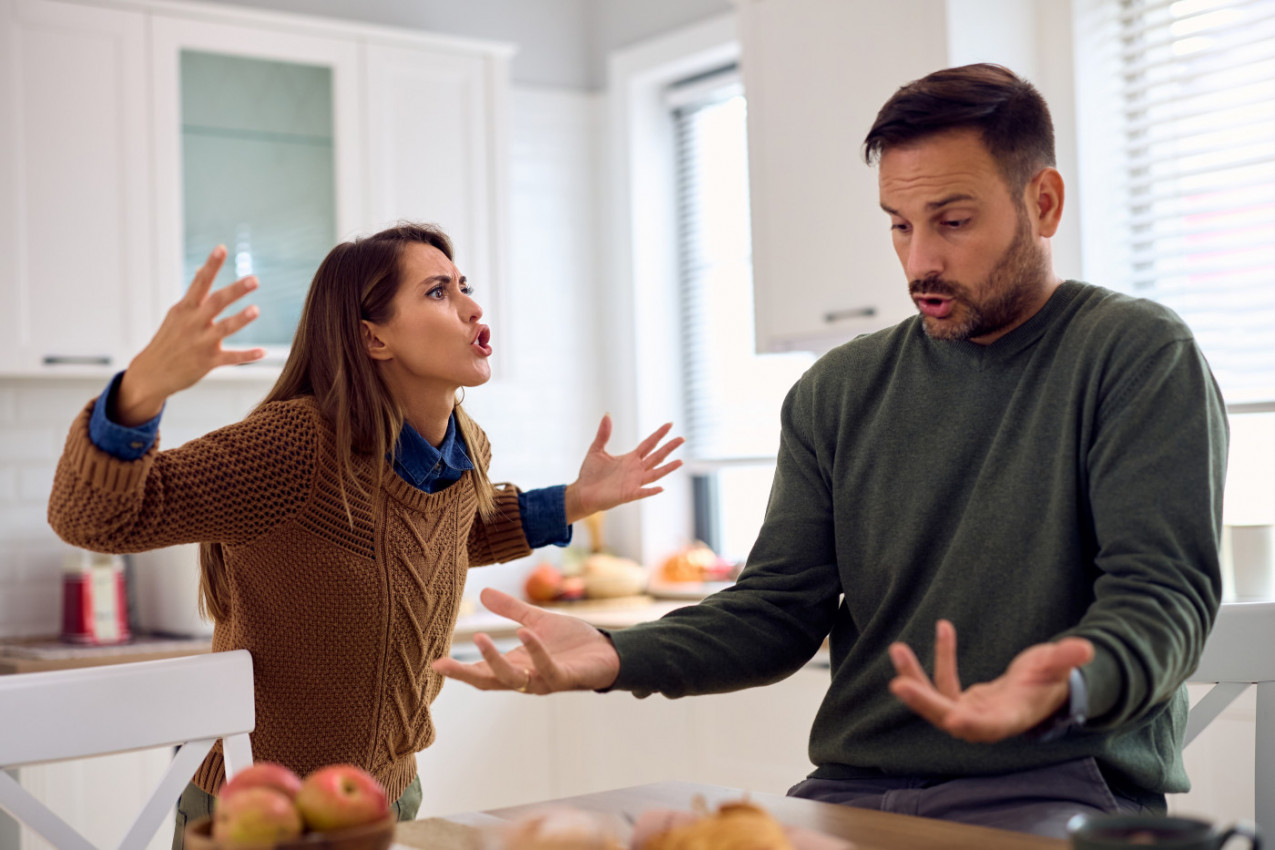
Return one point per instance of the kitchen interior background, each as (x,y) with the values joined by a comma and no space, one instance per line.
(555,336)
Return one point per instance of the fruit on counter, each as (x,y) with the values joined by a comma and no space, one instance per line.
(255,816)
(607,577)
(559,828)
(696,562)
(740,824)
(544,583)
(572,588)
(264,774)
(340,796)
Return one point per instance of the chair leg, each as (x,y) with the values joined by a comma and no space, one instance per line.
(164,797)
(18,802)
(1264,768)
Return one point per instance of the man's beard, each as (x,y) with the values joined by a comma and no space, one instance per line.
(1012,287)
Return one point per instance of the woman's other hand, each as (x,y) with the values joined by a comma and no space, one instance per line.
(187,345)
(607,480)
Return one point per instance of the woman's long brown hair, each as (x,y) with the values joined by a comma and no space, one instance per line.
(328,361)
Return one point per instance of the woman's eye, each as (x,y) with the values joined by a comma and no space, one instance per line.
(467,288)
(437,293)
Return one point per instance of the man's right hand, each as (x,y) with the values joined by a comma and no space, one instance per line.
(558,653)
(187,345)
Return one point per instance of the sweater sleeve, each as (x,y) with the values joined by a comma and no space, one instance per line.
(229,486)
(773,620)
(499,537)
(1156,468)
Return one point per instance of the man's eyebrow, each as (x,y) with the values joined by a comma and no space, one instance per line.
(936,205)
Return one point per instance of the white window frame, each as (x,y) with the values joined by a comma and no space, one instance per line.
(640,297)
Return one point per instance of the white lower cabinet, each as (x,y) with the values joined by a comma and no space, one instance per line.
(502,749)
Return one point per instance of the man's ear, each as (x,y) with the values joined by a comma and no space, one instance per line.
(1044,197)
(376,347)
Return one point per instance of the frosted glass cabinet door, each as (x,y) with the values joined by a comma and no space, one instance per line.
(254,152)
(74,199)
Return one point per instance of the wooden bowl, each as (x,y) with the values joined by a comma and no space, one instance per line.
(370,836)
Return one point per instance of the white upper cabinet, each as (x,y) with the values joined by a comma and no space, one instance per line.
(146,133)
(75,210)
(439,150)
(816,72)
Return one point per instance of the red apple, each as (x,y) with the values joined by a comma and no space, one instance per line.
(340,796)
(544,584)
(255,816)
(264,774)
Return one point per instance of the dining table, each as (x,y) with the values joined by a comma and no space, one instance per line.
(862,829)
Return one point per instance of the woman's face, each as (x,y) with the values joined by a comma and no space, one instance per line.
(433,339)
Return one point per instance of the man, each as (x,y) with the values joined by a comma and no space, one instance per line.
(1035,465)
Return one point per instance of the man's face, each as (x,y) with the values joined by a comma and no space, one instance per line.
(976,264)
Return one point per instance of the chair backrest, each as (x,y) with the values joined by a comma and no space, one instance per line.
(185,702)
(1238,655)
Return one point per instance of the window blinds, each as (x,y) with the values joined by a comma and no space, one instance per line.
(1196,108)
(731,394)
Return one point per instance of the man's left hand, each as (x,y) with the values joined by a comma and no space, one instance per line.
(1033,687)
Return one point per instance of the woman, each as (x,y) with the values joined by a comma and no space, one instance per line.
(339,517)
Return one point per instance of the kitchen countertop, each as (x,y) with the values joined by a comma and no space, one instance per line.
(35,655)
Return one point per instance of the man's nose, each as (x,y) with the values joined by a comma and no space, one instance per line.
(923,257)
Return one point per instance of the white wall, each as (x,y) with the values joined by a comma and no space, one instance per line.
(540,414)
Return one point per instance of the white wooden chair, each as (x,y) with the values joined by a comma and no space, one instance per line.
(67,714)
(1240,653)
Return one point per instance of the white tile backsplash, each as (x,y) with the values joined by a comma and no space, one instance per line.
(540,414)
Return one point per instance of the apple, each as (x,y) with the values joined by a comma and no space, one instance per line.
(340,796)
(544,583)
(264,774)
(255,816)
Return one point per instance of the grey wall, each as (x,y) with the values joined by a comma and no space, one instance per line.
(561,43)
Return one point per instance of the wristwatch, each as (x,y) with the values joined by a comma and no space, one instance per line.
(1072,714)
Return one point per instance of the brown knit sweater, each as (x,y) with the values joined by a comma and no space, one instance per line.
(342,621)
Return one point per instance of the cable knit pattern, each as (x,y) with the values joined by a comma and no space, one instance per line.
(343,611)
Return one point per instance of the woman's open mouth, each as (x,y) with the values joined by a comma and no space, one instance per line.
(482,341)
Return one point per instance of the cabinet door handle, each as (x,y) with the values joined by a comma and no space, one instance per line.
(76,360)
(852,313)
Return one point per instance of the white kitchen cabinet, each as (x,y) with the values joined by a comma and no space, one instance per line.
(437,149)
(816,72)
(93,200)
(75,211)
(501,749)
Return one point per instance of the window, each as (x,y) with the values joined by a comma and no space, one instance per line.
(732,395)
(1180,99)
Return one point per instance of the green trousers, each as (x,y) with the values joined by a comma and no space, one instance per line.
(196,803)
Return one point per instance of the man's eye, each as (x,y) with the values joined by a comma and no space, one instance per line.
(954,223)
(901,228)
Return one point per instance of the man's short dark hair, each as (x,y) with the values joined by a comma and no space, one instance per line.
(1006,110)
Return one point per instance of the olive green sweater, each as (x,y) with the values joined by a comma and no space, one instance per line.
(343,612)
(1066,479)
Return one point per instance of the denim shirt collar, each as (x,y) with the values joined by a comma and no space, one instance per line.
(420,463)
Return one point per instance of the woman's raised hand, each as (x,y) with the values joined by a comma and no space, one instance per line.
(187,345)
(607,480)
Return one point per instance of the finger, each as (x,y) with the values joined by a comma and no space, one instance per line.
(498,602)
(644,447)
(235,358)
(547,676)
(645,493)
(1066,654)
(508,674)
(921,697)
(946,678)
(478,675)
(603,435)
(657,457)
(207,273)
(228,294)
(233,324)
(657,474)
(905,663)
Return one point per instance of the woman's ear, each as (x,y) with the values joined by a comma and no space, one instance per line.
(376,347)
